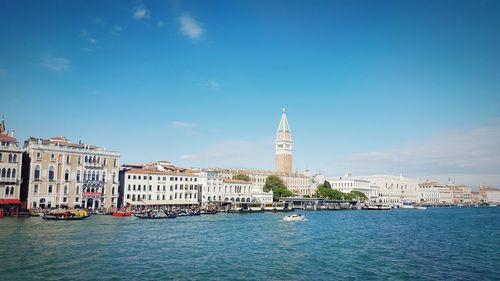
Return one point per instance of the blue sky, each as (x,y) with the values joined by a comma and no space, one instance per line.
(408,87)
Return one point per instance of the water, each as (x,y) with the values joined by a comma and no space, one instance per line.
(435,244)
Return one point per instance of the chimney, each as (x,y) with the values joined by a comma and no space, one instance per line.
(13,132)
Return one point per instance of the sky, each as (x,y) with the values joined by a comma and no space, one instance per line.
(370,87)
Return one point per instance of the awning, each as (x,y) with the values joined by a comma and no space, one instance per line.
(9,201)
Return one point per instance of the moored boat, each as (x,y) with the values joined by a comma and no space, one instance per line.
(66,216)
(378,207)
(421,208)
(122,214)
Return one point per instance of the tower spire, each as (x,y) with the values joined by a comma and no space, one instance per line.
(284,146)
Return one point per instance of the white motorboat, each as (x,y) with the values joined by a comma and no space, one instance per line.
(294,217)
(421,208)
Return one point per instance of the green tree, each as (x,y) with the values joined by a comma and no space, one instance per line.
(273,182)
(242,177)
(327,184)
(277,186)
(358,195)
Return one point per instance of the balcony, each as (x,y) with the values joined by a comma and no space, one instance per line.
(94,165)
(92,183)
(91,194)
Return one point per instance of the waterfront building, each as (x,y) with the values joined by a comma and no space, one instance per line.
(158,184)
(59,173)
(393,189)
(459,193)
(477,197)
(347,184)
(10,165)
(284,148)
(490,194)
(218,185)
(429,192)
(299,184)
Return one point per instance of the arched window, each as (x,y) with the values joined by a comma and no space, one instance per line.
(67,159)
(14,173)
(78,176)
(114,177)
(93,175)
(37,172)
(14,158)
(51,173)
(77,190)
(65,190)
(86,159)
(10,157)
(6,191)
(104,176)
(8,172)
(97,176)
(4,172)
(113,191)
(85,177)
(66,175)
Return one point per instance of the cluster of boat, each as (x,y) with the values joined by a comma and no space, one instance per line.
(172,214)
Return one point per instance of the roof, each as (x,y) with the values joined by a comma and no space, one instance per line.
(9,201)
(284,127)
(7,138)
(61,141)
(156,172)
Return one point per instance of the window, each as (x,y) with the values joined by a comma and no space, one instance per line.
(129,187)
(78,176)
(128,196)
(52,157)
(79,161)
(77,191)
(14,173)
(128,176)
(67,159)
(35,188)
(113,191)
(37,172)
(77,199)
(4,172)
(51,173)
(65,199)
(50,188)
(114,177)
(66,175)
(1,157)
(8,172)
(10,157)
(14,158)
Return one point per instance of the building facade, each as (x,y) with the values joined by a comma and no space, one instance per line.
(490,194)
(393,189)
(10,164)
(284,147)
(348,184)
(58,173)
(429,192)
(158,184)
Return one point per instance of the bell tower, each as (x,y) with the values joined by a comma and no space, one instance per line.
(283,153)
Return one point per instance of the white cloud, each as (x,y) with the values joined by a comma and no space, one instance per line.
(213,84)
(141,13)
(182,124)
(116,29)
(55,64)
(160,24)
(89,38)
(190,27)
(468,155)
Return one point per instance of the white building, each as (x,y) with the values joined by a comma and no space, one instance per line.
(217,186)
(348,184)
(393,189)
(490,194)
(158,184)
(430,192)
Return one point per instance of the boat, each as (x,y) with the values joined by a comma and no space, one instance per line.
(122,214)
(408,205)
(188,213)
(421,208)
(294,217)
(66,216)
(378,207)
